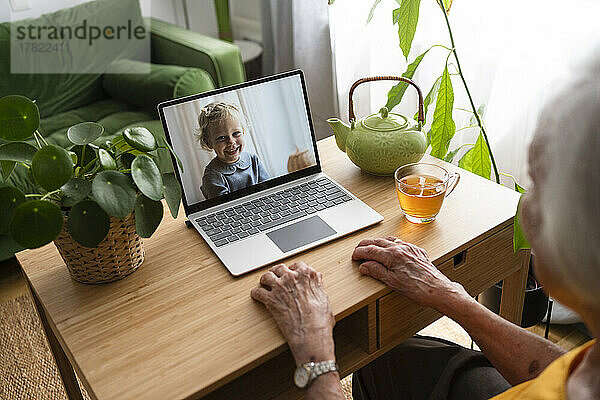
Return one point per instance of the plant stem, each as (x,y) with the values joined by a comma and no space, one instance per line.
(57,191)
(88,165)
(487,142)
(41,138)
(37,141)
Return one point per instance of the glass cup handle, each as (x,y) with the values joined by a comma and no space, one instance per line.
(455,178)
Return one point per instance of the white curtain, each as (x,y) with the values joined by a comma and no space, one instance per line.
(514,55)
(296,35)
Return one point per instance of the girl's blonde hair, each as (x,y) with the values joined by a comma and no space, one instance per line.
(211,114)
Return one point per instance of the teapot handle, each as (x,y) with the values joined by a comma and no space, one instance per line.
(351,115)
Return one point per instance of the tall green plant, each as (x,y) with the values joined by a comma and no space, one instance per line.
(86,183)
(479,159)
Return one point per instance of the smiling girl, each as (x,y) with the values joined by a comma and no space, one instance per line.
(221,130)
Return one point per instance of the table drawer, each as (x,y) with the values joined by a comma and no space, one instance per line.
(476,268)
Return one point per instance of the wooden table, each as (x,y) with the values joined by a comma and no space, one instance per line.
(181,327)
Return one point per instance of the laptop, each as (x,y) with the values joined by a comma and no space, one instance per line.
(250,173)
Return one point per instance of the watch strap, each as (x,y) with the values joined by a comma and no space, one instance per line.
(321,367)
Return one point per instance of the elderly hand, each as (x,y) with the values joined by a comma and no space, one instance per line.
(406,268)
(296,299)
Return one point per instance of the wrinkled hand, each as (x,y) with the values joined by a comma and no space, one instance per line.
(297,300)
(406,268)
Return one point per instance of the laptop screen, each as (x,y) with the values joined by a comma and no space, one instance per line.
(241,139)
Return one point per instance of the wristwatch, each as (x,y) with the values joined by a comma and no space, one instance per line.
(306,373)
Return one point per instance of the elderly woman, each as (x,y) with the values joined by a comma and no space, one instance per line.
(561,218)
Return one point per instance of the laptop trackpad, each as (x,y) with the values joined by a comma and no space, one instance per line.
(301,233)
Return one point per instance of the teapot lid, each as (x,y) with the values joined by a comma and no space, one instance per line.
(385,121)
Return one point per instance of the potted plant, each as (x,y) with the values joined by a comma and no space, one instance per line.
(94,201)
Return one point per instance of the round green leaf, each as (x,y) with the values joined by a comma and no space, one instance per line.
(114,192)
(17,151)
(146,176)
(10,199)
(140,138)
(89,155)
(52,167)
(74,191)
(88,224)
(36,223)
(148,214)
(106,160)
(85,132)
(19,117)
(172,192)
(7,167)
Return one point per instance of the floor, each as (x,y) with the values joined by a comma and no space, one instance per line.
(13,286)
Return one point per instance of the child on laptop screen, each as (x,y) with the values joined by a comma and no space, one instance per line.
(221,129)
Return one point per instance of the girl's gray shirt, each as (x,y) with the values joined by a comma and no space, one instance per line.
(221,178)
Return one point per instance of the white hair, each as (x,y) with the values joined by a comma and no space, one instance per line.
(570,194)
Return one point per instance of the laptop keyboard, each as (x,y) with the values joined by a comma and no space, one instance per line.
(253,217)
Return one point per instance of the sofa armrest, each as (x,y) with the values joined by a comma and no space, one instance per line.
(172,44)
(145,85)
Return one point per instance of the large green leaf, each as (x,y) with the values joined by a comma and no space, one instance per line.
(407,17)
(140,139)
(163,161)
(163,143)
(17,151)
(447,4)
(7,167)
(148,214)
(477,159)
(114,192)
(36,223)
(52,167)
(146,176)
(443,127)
(372,11)
(430,98)
(74,191)
(19,117)
(10,199)
(106,160)
(85,132)
(172,192)
(519,239)
(88,224)
(397,92)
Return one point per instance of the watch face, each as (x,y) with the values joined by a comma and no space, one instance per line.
(301,376)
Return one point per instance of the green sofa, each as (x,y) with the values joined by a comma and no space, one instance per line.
(182,63)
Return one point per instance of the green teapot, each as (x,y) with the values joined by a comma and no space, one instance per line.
(384,141)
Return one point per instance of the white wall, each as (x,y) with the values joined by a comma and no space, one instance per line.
(245,17)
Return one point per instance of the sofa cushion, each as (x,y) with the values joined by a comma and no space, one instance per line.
(75,78)
(113,115)
(145,85)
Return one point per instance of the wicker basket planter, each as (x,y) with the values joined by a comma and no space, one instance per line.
(117,256)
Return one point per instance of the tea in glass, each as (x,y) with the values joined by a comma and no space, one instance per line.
(421,189)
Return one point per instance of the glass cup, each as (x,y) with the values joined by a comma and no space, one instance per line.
(421,189)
